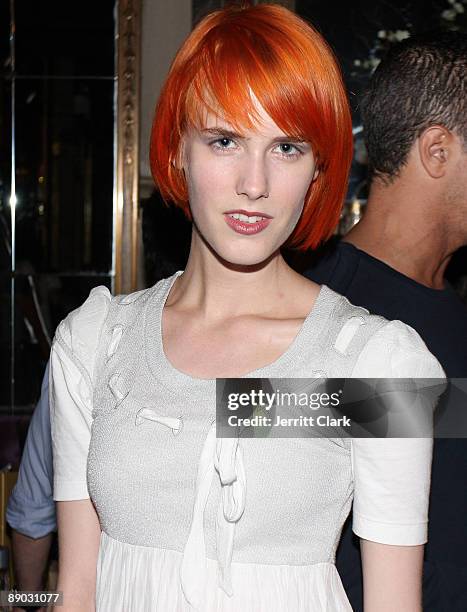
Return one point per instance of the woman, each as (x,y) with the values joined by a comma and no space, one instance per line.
(252,137)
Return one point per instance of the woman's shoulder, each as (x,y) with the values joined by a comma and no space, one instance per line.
(402,350)
(393,348)
(80,331)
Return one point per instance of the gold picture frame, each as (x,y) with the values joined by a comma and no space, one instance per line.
(126,197)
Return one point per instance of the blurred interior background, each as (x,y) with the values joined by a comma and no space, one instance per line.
(77,204)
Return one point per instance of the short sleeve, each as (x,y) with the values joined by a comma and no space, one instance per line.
(72,363)
(31,509)
(392,476)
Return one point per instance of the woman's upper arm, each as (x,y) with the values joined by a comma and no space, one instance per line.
(79,536)
(392,475)
(392,481)
(70,393)
(70,419)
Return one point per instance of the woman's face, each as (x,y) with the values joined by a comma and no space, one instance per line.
(246,191)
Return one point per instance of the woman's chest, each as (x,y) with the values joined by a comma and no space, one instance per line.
(145,478)
(227,349)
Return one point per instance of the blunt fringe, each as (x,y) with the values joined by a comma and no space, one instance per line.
(292,72)
(421,82)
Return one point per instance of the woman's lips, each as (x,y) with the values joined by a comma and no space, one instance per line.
(247,223)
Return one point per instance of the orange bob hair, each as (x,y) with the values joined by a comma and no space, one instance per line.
(292,72)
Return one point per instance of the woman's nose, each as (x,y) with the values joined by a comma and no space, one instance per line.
(253,180)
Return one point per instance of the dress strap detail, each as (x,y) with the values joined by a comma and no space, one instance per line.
(347,333)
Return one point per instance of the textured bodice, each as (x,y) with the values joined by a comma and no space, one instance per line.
(153,428)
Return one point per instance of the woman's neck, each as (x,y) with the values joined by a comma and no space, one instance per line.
(217,289)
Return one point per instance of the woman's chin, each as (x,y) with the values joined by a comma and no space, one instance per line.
(243,254)
(248,261)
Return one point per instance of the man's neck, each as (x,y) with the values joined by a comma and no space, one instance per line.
(405,236)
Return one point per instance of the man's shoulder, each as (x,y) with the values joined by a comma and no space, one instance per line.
(335,265)
(438,316)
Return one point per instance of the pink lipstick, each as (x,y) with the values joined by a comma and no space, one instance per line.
(247,222)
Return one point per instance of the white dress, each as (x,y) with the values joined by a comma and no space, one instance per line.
(190,521)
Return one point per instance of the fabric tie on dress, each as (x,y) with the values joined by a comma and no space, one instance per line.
(223,455)
(115,385)
(174,423)
(228,461)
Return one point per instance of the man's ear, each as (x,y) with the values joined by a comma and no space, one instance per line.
(435,148)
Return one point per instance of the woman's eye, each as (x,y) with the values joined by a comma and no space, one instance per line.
(289,150)
(223,143)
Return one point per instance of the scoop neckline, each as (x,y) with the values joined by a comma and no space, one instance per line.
(176,380)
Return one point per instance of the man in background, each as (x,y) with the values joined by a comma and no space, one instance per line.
(31,509)
(393,261)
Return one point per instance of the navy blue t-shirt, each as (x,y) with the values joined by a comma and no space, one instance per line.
(440,317)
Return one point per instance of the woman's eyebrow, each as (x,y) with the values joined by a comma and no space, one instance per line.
(218,131)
